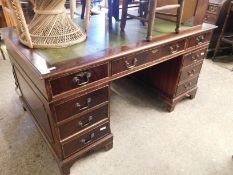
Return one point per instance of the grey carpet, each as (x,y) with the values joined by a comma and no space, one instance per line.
(225,62)
(195,139)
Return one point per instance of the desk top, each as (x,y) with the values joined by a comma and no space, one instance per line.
(102,44)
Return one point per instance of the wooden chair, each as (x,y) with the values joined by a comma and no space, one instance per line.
(225,37)
(152,11)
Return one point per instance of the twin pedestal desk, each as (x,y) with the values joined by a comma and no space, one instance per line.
(67,90)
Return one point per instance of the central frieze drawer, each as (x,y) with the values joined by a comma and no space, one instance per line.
(84,140)
(65,109)
(83,122)
(78,79)
(134,60)
(129,62)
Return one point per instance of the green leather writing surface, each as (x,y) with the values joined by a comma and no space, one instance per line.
(101,38)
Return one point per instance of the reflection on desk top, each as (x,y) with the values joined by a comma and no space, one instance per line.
(100,45)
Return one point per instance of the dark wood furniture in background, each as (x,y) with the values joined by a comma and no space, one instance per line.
(193,14)
(226,37)
(150,16)
(7,14)
(216,14)
(2,17)
(7,20)
(67,90)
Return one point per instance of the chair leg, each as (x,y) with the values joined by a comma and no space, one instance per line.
(1,50)
(217,48)
(110,13)
(3,55)
(124,14)
(151,20)
(143,11)
(179,15)
(83,2)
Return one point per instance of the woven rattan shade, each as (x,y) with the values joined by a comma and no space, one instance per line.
(50,27)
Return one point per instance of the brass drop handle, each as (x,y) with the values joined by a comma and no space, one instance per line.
(195,57)
(77,80)
(174,49)
(192,72)
(154,51)
(187,86)
(85,106)
(200,39)
(212,9)
(129,66)
(82,124)
(88,140)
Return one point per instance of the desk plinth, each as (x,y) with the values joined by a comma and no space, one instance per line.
(68,96)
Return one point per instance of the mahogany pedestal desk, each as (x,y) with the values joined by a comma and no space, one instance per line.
(67,90)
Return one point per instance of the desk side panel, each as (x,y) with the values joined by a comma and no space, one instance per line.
(35,104)
(27,68)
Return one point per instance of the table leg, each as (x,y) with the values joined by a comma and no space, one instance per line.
(83,2)
(124,14)
(110,13)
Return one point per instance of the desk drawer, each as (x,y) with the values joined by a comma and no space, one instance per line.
(84,140)
(140,58)
(171,48)
(190,71)
(194,57)
(79,104)
(199,39)
(83,122)
(212,8)
(210,18)
(129,62)
(79,79)
(186,86)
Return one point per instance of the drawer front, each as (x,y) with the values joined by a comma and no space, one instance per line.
(79,104)
(137,59)
(76,125)
(189,72)
(79,79)
(84,140)
(199,39)
(194,57)
(210,18)
(186,86)
(213,9)
(171,48)
(129,62)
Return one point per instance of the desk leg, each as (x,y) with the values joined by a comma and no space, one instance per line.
(124,14)
(105,143)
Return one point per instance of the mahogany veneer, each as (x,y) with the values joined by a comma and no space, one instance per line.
(68,94)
